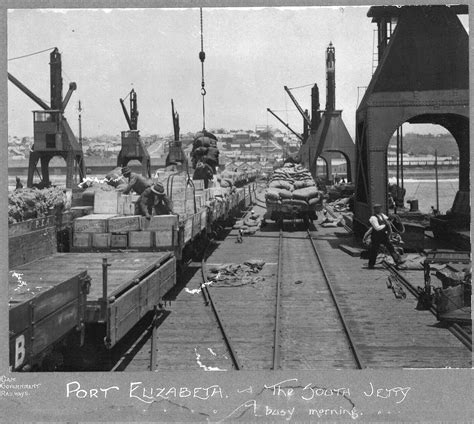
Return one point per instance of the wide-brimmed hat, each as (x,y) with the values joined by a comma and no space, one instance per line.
(158,188)
(126,170)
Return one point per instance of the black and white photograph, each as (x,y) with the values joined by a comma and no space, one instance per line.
(211,207)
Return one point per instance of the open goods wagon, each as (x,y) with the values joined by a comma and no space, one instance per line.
(93,286)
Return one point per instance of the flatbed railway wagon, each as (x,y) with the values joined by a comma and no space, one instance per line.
(56,297)
(111,270)
(291,211)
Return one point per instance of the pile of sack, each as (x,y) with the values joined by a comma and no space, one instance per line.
(205,150)
(292,184)
(250,224)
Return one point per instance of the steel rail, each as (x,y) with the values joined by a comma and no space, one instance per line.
(464,337)
(227,340)
(276,363)
(352,346)
(209,301)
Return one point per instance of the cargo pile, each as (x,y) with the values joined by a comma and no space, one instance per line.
(292,185)
(236,274)
(30,203)
(205,150)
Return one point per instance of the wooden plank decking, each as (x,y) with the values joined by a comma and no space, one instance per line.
(125,268)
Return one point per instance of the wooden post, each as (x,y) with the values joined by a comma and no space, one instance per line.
(153,339)
(436,177)
(401,155)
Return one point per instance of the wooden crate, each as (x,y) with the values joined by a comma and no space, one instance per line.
(127,204)
(124,223)
(82,210)
(95,223)
(164,238)
(119,240)
(159,222)
(140,239)
(106,202)
(101,240)
(81,239)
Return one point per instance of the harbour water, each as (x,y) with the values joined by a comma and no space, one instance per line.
(424,190)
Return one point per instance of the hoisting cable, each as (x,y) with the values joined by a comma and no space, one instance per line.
(300,86)
(31,54)
(202,57)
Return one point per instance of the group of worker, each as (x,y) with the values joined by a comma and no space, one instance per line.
(152,200)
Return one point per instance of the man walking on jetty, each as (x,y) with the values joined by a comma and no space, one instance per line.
(381,230)
(136,182)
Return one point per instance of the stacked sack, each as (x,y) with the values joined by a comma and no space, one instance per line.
(292,185)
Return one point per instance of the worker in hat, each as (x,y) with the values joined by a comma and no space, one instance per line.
(153,201)
(381,230)
(136,182)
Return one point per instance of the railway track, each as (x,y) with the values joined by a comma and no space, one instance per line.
(303,316)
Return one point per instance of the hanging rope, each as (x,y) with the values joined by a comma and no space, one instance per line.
(202,57)
(31,54)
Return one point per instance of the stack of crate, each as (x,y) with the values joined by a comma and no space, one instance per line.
(113,224)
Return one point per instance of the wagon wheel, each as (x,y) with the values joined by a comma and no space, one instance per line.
(280,222)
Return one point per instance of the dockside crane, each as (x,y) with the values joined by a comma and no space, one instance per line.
(132,145)
(176,154)
(308,123)
(52,133)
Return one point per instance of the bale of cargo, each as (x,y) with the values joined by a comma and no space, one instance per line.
(282,184)
(304,183)
(285,194)
(299,202)
(306,193)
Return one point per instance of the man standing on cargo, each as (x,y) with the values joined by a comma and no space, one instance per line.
(381,230)
(203,172)
(153,201)
(136,182)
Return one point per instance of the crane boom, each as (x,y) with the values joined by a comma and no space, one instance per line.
(72,87)
(285,124)
(28,92)
(125,112)
(300,110)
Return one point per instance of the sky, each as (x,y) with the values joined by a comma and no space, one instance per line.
(251,54)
